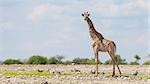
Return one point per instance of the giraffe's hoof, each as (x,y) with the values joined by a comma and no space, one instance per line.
(120,75)
(96,75)
(113,75)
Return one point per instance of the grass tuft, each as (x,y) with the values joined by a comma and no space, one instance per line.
(32,74)
(25,73)
(146,77)
(46,74)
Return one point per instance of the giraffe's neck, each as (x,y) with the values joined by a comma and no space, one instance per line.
(91,26)
(94,34)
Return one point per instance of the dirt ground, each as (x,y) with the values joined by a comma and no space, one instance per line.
(74,74)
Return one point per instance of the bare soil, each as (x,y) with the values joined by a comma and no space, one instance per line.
(75,74)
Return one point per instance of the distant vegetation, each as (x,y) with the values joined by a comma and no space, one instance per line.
(58,59)
(136,62)
(147,63)
(37,60)
(119,61)
(12,61)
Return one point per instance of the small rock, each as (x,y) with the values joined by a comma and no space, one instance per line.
(93,72)
(75,70)
(40,70)
(148,80)
(136,73)
(44,82)
(103,73)
(124,78)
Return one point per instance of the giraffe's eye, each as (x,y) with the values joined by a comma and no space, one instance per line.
(83,15)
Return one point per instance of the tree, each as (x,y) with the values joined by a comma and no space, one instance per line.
(137,57)
(118,59)
(91,61)
(80,60)
(0,62)
(59,58)
(136,62)
(37,60)
(84,61)
(12,61)
(149,55)
(107,62)
(146,63)
(53,60)
(67,62)
(77,60)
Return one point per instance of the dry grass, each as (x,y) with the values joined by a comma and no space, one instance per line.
(76,74)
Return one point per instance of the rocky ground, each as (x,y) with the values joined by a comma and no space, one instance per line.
(72,74)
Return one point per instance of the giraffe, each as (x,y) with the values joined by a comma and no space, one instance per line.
(100,44)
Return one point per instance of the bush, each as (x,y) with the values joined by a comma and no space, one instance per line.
(37,60)
(134,63)
(80,60)
(92,61)
(12,61)
(67,62)
(84,61)
(59,58)
(146,63)
(107,62)
(137,57)
(53,60)
(0,62)
(119,61)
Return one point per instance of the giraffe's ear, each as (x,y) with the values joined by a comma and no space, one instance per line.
(82,14)
(88,14)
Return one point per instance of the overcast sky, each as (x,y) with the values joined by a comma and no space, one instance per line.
(51,27)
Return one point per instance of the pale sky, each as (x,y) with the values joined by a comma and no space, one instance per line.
(51,27)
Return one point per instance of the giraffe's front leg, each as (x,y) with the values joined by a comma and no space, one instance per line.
(95,48)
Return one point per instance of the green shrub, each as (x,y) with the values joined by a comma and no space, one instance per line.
(37,60)
(53,60)
(59,58)
(80,60)
(12,61)
(146,63)
(84,61)
(137,57)
(92,61)
(107,62)
(67,62)
(118,59)
(134,63)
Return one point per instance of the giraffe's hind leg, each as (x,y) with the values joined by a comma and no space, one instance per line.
(118,67)
(113,61)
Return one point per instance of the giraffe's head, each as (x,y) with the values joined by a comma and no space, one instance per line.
(85,15)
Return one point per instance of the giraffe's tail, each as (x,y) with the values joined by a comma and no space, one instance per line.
(114,47)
